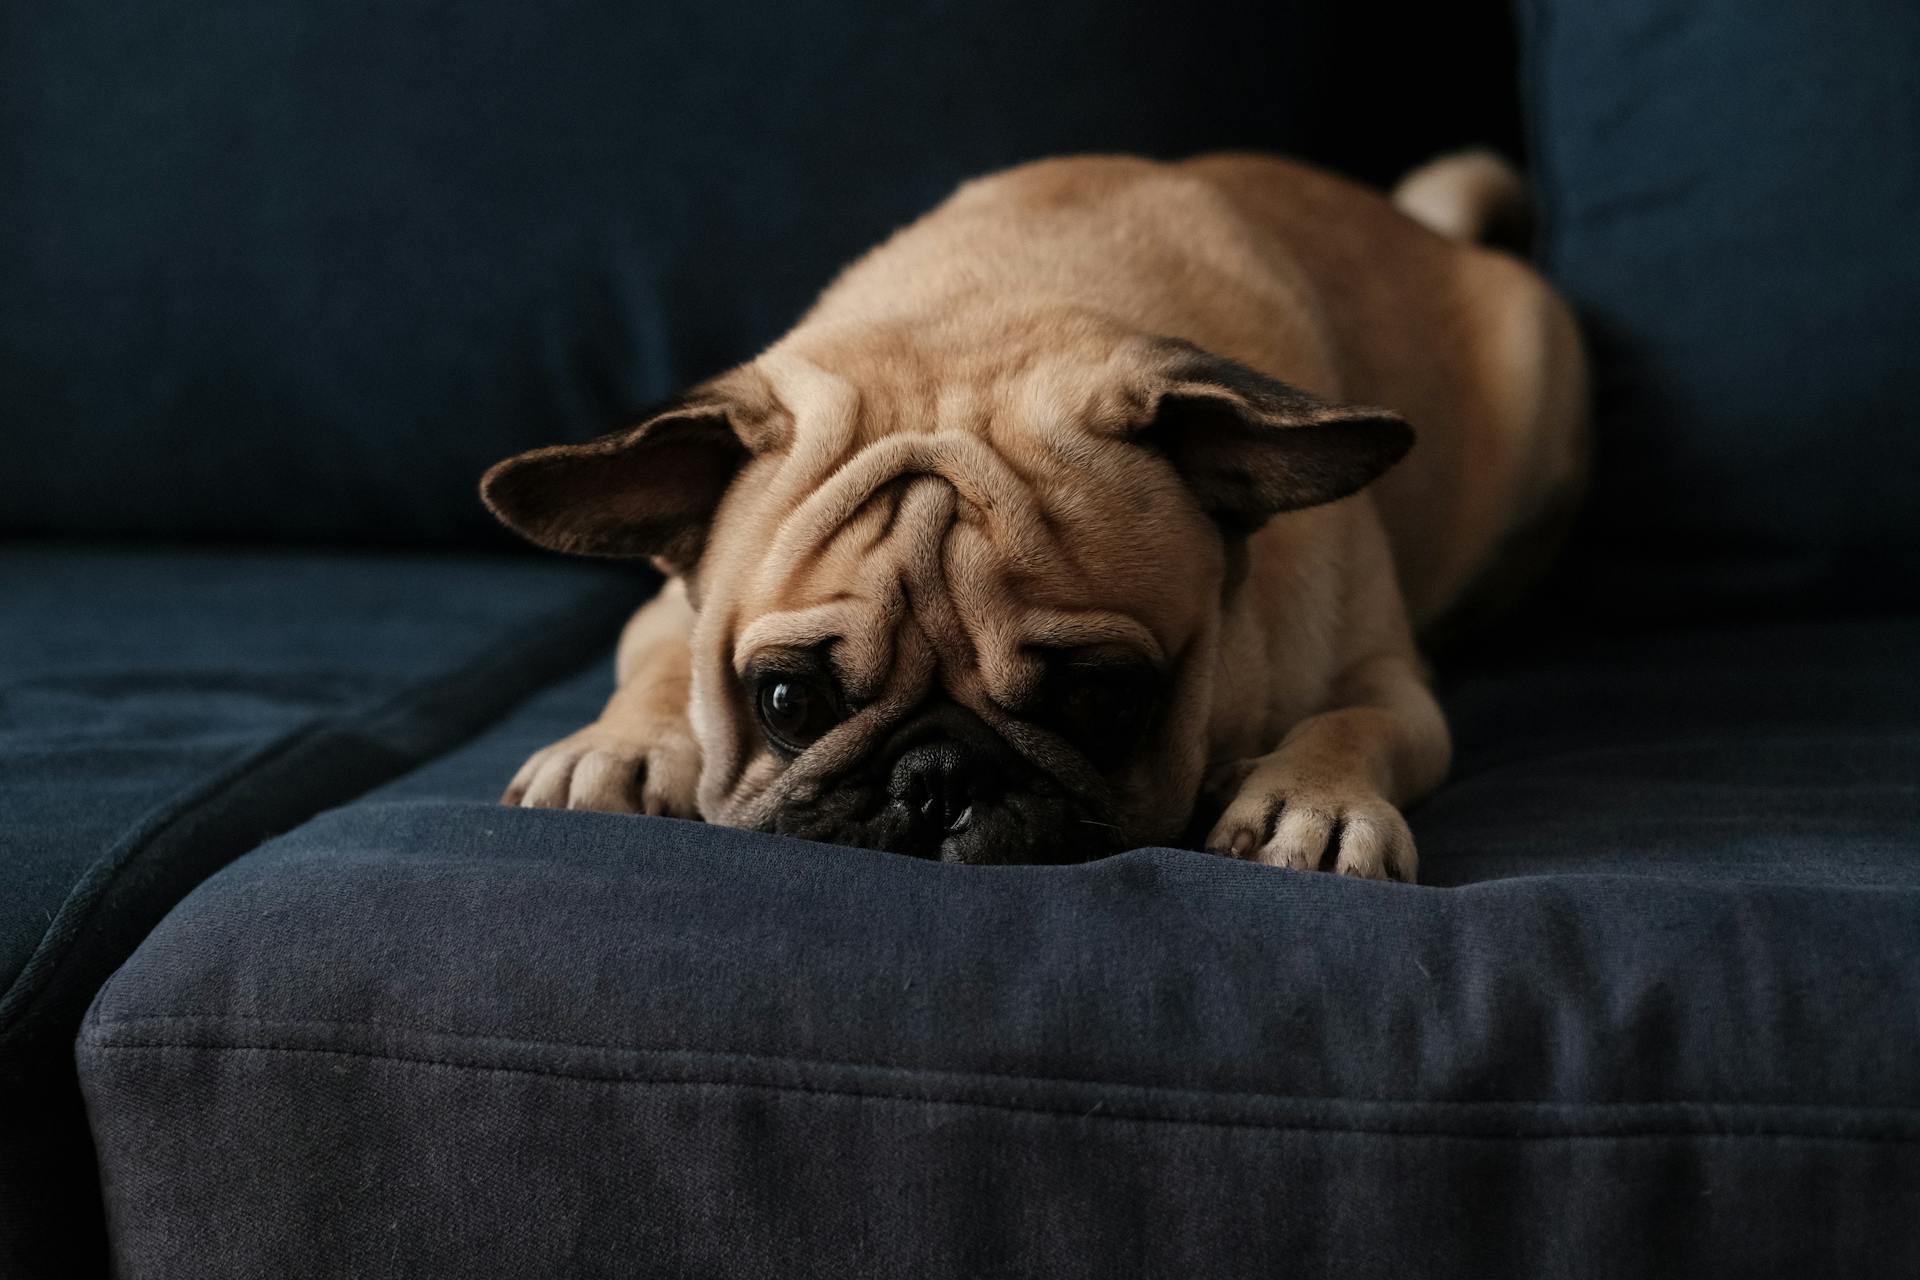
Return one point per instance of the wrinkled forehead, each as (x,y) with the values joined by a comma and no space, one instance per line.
(928,552)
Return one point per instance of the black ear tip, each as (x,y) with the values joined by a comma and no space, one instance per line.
(1390,436)
(495,483)
(518,491)
(1357,447)
(1404,437)
(500,489)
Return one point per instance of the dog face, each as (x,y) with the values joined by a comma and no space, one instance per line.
(950,605)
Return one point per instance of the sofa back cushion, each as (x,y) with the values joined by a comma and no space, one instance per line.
(294,269)
(1732,191)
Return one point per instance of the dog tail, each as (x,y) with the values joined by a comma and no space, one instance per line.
(1469,195)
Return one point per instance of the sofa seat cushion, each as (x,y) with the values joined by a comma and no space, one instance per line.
(164,711)
(425,1031)
(1785,752)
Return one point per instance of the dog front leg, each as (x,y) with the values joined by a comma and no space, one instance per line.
(640,755)
(1329,796)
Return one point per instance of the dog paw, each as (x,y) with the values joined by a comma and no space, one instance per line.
(1284,821)
(613,772)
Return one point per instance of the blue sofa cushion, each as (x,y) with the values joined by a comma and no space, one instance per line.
(376,247)
(1730,190)
(1786,754)
(162,712)
(1666,1015)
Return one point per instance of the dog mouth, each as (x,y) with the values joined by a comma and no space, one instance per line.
(1017,827)
(952,798)
(945,786)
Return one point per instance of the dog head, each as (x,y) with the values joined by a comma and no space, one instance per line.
(955,605)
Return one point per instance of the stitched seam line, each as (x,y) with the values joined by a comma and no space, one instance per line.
(1096,1112)
(101,1034)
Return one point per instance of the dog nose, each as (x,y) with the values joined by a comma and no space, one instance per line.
(939,784)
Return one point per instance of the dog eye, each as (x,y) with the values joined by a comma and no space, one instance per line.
(796,711)
(1102,710)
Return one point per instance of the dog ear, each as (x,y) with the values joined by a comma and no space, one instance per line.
(1251,447)
(645,490)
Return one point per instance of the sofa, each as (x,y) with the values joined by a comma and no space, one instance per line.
(284,991)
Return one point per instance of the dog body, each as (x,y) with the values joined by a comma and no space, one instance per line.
(1055,509)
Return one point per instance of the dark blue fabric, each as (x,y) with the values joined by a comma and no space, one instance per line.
(164,711)
(1785,753)
(1730,190)
(1666,1023)
(301,269)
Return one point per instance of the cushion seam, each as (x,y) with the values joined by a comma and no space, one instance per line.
(1098,1112)
(96,1040)
(1532,84)
(44,965)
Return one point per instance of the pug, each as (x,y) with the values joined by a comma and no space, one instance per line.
(1089,493)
